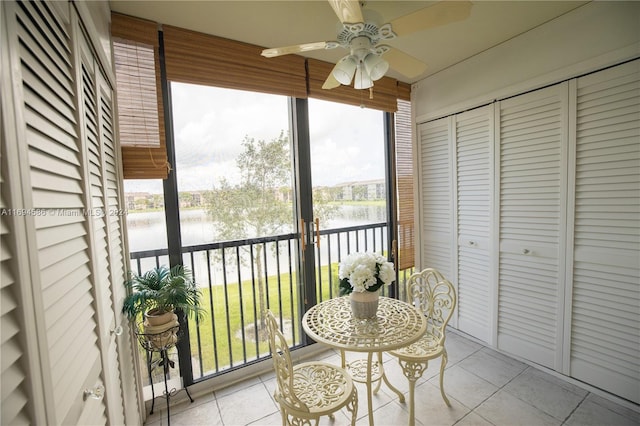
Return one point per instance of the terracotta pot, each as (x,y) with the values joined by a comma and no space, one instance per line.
(153,317)
(161,330)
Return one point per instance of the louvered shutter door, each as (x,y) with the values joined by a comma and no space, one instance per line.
(14,395)
(114,250)
(55,175)
(474,138)
(532,213)
(436,192)
(97,137)
(605,334)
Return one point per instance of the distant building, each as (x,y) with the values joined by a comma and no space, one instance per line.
(143,201)
(362,190)
(349,191)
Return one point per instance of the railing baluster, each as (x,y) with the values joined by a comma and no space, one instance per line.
(226,305)
(194,276)
(366,240)
(266,275)
(294,323)
(213,318)
(330,267)
(241,298)
(318,274)
(278,274)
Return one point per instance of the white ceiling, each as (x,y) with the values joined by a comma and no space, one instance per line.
(284,23)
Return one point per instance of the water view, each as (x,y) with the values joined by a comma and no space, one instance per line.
(146,229)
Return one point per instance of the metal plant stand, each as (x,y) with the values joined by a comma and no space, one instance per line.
(160,343)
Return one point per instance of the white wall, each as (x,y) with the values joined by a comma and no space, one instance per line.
(594,36)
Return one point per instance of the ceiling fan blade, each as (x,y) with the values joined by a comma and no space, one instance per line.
(348,11)
(305,47)
(405,64)
(330,82)
(442,13)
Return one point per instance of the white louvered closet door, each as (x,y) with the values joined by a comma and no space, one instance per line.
(605,325)
(63,284)
(436,180)
(118,361)
(532,146)
(66,250)
(97,135)
(14,394)
(474,182)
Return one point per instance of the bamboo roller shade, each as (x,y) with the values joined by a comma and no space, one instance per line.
(197,58)
(404,171)
(137,93)
(141,162)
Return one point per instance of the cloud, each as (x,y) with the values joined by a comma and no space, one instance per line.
(210,125)
(347,142)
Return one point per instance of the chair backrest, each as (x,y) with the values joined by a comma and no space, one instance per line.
(435,296)
(283,366)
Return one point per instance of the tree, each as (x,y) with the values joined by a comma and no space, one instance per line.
(259,203)
(255,206)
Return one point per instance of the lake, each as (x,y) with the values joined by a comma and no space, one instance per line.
(147,230)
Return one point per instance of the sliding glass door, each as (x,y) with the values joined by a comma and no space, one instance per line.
(270,194)
(347,162)
(233,169)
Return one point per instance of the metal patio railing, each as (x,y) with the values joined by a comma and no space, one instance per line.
(240,279)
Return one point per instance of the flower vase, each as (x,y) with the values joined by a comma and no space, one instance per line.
(364,304)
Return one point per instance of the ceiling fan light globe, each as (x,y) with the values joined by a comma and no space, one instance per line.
(375,66)
(344,70)
(362,79)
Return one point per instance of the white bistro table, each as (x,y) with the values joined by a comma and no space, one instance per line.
(397,324)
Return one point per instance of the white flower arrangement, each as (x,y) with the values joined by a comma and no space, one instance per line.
(365,272)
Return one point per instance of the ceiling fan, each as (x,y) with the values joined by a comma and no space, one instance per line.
(368,59)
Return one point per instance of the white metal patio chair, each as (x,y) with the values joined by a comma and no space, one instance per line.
(308,390)
(436,298)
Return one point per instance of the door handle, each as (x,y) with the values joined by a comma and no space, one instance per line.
(318,233)
(95,393)
(303,231)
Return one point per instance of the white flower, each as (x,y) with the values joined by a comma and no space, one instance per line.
(365,272)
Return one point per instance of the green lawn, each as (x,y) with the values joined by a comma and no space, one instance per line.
(235,307)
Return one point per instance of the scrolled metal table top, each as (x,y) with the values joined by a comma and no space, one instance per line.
(396,324)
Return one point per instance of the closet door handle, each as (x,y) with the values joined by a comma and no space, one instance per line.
(95,393)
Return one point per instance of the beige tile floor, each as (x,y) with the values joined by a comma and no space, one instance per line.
(484,387)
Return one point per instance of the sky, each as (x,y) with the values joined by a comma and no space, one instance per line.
(347,142)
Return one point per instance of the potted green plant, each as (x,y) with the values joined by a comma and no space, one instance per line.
(154,295)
